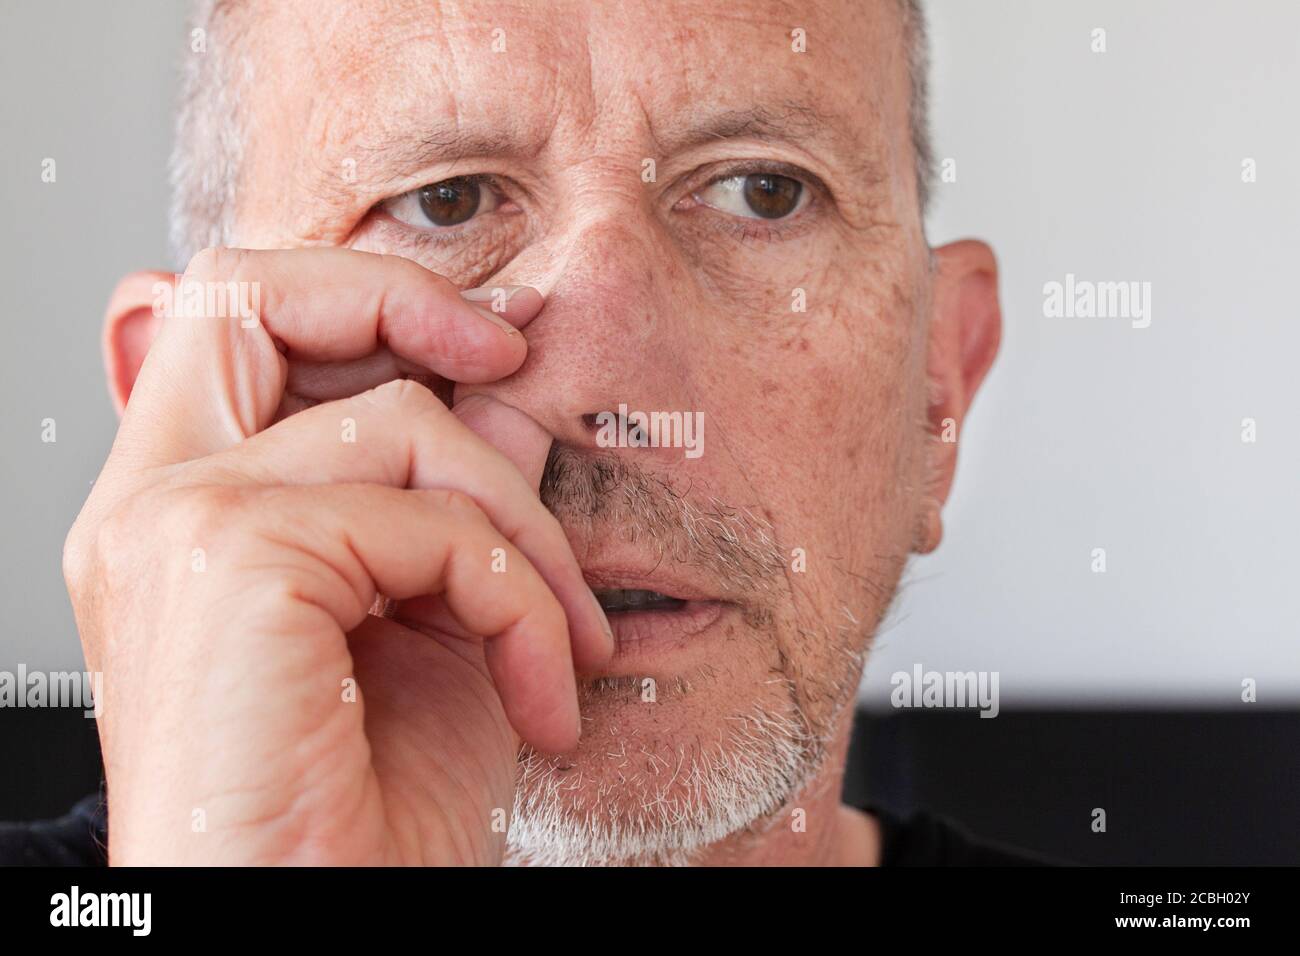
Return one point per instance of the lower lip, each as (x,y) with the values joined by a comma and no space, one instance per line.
(642,634)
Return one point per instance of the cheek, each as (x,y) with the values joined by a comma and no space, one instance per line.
(817,409)
(762,285)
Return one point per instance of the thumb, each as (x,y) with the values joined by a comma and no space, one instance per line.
(508,430)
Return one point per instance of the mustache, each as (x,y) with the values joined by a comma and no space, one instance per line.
(601,494)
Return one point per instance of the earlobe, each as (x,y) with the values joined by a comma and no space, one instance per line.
(130,325)
(965,330)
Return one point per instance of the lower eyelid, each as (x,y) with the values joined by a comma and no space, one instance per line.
(756,227)
(435,236)
(458,253)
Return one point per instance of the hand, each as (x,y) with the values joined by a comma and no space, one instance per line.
(225,563)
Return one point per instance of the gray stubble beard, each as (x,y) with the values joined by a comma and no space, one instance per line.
(768,756)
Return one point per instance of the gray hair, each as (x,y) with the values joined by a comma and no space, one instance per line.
(209,144)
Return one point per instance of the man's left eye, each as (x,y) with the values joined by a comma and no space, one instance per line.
(444,204)
(755,196)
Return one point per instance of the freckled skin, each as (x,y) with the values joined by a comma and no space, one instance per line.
(814,419)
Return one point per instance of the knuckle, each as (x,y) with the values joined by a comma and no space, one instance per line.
(117,532)
(219,262)
(203,262)
(120,531)
(77,556)
(196,517)
(402,396)
(100,551)
(439,283)
(463,518)
(458,504)
(412,271)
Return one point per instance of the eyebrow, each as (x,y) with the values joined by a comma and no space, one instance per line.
(398,154)
(791,121)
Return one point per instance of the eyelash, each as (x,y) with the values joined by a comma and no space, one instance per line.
(763,230)
(751,230)
(742,228)
(445,235)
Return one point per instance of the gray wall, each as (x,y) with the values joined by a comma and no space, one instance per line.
(90,85)
(1090,433)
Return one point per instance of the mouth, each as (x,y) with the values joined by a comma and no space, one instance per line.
(653,621)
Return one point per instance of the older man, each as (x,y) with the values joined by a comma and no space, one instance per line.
(471,277)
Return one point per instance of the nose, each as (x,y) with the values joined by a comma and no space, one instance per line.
(616,321)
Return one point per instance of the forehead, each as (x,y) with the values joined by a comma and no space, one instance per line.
(667,43)
(356,76)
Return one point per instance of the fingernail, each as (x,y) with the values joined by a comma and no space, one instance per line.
(604,619)
(497,295)
(496,320)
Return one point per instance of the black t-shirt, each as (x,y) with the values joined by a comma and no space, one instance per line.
(80,838)
(926,839)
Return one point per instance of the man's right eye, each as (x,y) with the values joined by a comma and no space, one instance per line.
(444,204)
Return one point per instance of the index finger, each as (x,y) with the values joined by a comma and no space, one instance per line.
(216,372)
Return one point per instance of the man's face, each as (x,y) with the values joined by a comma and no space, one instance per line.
(720,225)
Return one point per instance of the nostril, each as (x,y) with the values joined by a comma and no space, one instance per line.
(616,421)
(441,387)
(619,429)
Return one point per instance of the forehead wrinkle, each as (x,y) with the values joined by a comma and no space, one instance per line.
(791,105)
(348,87)
(395,128)
(406,143)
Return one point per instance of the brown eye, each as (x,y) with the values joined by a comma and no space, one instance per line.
(445,204)
(762,195)
(772,196)
(450,202)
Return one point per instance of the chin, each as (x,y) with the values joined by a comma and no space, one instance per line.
(664,770)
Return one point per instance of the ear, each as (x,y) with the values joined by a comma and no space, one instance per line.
(129,328)
(965,329)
